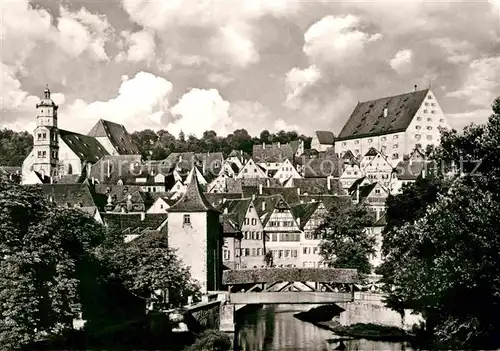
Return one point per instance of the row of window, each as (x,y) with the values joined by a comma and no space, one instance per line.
(251,252)
(247,221)
(284,253)
(419,136)
(419,127)
(281,224)
(285,237)
(310,250)
(313,236)
(252,235)
(43,154)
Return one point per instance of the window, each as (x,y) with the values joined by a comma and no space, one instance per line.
(226,254)
(383,138)
(247,221)
(44,136)
(395,146)
(417,127)
(39,136)
(417,136)
(247,252)
(429,137)
(187,219)
(275,237)
(259,252)
(39,155)
(344,143)
(254,221)
(425,111)
(395,156)
(396,137)
(429,128)
(44,154)
(370,140)
(377,191)
(254,236)
(426,104)
(441,120)
(304,250)
(429,97)
(294,253)
(433,104)
(254,252)
(419,118)
(356,151)
(433,112)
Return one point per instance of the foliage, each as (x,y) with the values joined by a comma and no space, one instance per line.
(444,260)
(345,242)
(44,252)
(147,264)
(211,340)
(14,147)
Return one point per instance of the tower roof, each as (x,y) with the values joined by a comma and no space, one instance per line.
(46,100)
(193,199)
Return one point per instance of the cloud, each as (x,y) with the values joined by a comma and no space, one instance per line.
(462,119)
(335,40)
(280,125)
(199,110)
(83,31)
(458,51)
(221,32)
(219,79)
(482,83)
(140,46)
(141,102)
(250,115)
(297,81)
(402,61)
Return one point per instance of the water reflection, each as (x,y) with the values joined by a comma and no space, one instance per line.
(273,328)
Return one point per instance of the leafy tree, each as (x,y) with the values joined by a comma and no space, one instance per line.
(44,253)
(14,147)
(345,242)
(147,264)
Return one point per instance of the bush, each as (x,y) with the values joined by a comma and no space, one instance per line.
(211,340)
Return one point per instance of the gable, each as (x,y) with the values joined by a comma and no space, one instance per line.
(325,137)
(117,135)
(368,119)
(85,147)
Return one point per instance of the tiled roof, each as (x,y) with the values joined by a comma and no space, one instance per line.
(317,186)
(348,155)
(237,207)
(325,137)
(70,194)
(87,148)
(304,211)
(272,153)
(134,221)
(193,200)
(117,135)
(289,194)
(328,201)
(270,203)
(236,185)
(10,170)
(216,198)
(368,119)
(322,167)
(295,144)
(364,191)
(372,152)
(381,222)
(410,170)
(355,185)
(229,226)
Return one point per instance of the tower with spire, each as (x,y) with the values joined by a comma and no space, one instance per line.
(194,229)
(45,138)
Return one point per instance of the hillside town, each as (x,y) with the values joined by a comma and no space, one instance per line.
(269,201)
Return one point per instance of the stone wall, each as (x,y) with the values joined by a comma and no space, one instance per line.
(207,314)
(369,308)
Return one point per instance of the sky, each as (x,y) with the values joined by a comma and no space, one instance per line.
(191,66)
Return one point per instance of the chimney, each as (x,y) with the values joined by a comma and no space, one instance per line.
(143,216)
(263,206)
(226,210)
(357,194)
(298,221)
(386,112)
(279,145)
(298,191)
(241,152)
(253,196)
(260,189)
(263,145)
(267,182)
(328,183)
(204,168)
(223,200)
(109,169)
(415,87)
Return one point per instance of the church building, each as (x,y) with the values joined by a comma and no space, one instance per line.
(59,154)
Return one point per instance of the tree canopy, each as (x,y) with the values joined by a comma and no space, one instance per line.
(443,258)
(345,242)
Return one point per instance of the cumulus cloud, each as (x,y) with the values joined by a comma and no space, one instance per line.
(280,124)
(458,51)
(199,110)
(297,81)
(219,79)
(482,83)
(402,61)
(226,35)
(250,115)
(141,102)
(140,46)
(335,40)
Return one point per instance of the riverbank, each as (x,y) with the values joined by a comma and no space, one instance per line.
(324,317)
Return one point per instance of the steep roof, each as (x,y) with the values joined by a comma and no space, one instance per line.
(368,119)
(70,194)
(295,144)
(317,186)
(216,198)
(193,199)
(322,167)
(325,137)
(289,194)
(328,201)
(87,148)
(238,208)
(117,135)
(134,221)
(269,201)
(304,212)
(236,185)
(272,152)
(229,226)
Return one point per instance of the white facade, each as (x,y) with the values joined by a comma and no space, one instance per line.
(159,206)
(251,170)
(286,171)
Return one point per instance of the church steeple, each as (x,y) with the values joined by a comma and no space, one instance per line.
(46,138)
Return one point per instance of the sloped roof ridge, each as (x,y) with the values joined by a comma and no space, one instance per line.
(394,96)
(193,200)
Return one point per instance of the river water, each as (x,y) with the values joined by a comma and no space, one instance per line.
(274,328)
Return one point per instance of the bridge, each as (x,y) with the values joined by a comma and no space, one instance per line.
(284,286)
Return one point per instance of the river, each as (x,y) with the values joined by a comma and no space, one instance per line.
(274,328)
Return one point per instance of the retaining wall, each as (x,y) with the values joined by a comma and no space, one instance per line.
(207,314)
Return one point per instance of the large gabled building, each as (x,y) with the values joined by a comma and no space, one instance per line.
(393,125)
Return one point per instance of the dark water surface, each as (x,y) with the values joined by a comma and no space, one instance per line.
(274,328)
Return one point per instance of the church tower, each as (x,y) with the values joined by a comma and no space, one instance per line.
(45,138)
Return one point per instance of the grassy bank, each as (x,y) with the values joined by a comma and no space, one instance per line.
(322,317)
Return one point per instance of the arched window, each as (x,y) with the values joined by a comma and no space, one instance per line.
(395,156)
(70,169)
(120,182)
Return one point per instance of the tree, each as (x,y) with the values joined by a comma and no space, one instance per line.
(44,254)
(345,242)
(147,264)
(14,147)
